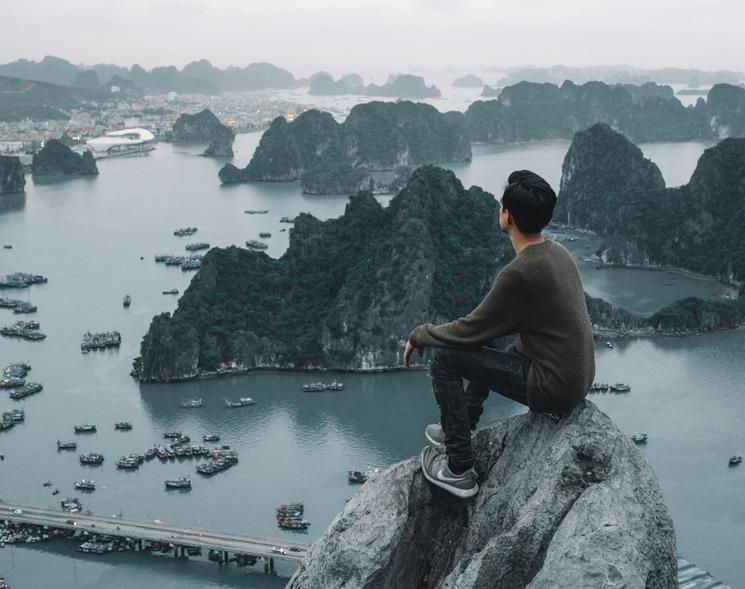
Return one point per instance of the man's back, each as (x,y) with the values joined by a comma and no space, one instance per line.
(556,335)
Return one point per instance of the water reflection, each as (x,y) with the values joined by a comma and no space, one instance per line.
(10,203)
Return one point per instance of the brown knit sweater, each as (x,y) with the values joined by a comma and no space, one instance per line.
(538,296)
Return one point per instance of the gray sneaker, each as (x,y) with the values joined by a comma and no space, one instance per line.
(436,471)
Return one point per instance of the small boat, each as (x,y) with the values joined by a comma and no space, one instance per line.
(91,458)
(66,445)
(256,211)
(180,483)
(265,234)
(173,291)
(127,301)
(314,387)
(735,460)
(171,435)
(55,492)
(85,429)
(7,246)
(71,504)
(293,524)
(211,438)
(85,485)
(620,387)
(639,438)
(47,484)
(123,426)
(336,386)
(191,403)
(291,508)
(356,476)
(609,345)
(256,245)
(242,402)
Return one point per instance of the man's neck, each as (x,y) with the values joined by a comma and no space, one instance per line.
(521,240)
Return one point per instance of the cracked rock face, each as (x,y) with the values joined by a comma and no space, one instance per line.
(573,504)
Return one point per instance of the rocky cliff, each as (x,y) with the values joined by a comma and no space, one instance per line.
(204,127)
(12,177)
(573,504)
(375,136)
(609,187)
(57,158)
(347,291)
(530,111)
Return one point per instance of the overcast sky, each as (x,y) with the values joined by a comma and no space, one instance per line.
(354,35)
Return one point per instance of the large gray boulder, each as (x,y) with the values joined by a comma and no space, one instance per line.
(567,505)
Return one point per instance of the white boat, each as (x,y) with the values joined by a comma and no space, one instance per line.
(242,402)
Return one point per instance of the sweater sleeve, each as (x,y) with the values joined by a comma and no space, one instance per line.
(503,311)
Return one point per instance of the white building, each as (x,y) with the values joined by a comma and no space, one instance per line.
(124,142)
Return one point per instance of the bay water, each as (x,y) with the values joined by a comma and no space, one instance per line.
(88,236)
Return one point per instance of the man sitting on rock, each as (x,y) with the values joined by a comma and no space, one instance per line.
(538,300)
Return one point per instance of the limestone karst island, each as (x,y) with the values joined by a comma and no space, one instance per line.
(385,296)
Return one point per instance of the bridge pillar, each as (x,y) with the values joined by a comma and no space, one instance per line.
(271,565)
(266,564)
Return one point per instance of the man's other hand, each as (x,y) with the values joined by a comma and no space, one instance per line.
(407,352)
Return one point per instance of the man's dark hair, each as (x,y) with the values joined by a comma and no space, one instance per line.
(530,200)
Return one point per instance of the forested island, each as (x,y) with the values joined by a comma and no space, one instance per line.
(204,127)
(56,158)
(609,187)
(336,157)
(12,176)
(530,111)
(347,292)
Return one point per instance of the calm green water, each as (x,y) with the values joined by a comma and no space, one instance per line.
(87,236)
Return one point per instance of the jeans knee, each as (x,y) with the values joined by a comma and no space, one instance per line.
(441,363)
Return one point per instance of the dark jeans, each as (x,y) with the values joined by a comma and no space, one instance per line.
(498,367)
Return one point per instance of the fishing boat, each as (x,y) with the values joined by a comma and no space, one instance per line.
(85,429)
(639,438)
(735,460)
(173,291)
(242,402)
(91,458)
(180,483)
(620,387)
(85,485)
(66,445)
(191,403)
(356,476)
(336,386)
(123,426)
(314,387)
(609,345)
(127,301)
(71,504)
(211,438)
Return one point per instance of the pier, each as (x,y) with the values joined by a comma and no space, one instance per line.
(223,544)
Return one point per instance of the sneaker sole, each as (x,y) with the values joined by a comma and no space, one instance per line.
(461,493)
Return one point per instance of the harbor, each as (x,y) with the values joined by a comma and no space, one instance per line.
(178,541)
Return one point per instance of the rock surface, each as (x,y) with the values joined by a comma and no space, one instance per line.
(375,136)
(468,81)
(12,176)
(204,127)
(573,504)
(57,158)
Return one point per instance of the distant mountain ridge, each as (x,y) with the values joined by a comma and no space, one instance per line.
(398,86)
(530,111)
(198,77)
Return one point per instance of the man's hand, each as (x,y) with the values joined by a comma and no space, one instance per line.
(407,352)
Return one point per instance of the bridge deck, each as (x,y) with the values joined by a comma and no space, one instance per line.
(165,533)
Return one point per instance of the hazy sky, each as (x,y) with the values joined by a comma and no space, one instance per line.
(346,35)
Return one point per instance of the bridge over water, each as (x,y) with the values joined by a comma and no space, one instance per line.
(223,543)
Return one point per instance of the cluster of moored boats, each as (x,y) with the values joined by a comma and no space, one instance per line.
(191,262)
(318,387)
(253,244)
(21,280)
(100,341)
(14,378)
(9,418)
(223,458)
(17,305)
(28,330)
(290,517)
(603,387)
(195,247)
(183,231)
